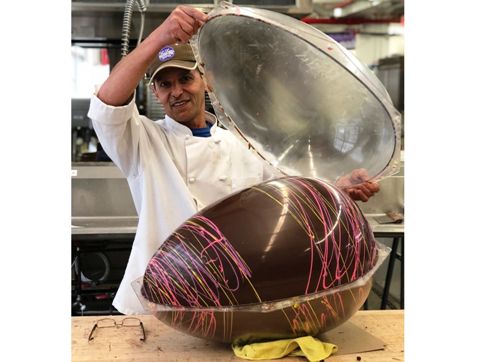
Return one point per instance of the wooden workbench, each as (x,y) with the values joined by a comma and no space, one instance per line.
(167,345)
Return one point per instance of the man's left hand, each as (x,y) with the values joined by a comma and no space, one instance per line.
(363,191)
(357,186)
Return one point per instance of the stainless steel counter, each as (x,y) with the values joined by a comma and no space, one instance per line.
(100,225)
(384,229)
(100,189)
(104,225)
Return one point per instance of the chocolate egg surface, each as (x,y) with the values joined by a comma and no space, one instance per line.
(285,258)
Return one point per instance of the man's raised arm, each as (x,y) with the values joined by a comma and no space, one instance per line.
(179,27)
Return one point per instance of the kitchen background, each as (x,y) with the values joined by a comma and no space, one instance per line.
(372,30)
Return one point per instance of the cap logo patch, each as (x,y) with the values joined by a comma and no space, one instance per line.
(166,53)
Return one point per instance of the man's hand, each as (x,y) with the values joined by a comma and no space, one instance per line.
(362,191)
(179,27)
(183,22)
(357,186)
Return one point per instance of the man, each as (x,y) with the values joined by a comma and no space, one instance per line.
(177,165)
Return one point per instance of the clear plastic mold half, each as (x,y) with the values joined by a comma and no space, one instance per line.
(299,99)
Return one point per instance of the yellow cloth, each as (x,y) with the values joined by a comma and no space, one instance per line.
(311,348)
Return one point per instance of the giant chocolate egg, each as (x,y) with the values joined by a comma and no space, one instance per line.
(288,257)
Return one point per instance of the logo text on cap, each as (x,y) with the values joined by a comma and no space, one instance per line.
(166,53)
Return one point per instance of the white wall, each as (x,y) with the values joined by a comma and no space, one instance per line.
(87,71)
(373,41)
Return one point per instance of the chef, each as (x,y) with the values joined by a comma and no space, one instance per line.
(177,165)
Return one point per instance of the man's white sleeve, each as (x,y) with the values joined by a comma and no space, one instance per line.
(118,130)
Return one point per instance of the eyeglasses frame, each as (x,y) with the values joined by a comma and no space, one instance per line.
(117,325)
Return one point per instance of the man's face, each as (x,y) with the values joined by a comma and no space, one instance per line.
(181,93)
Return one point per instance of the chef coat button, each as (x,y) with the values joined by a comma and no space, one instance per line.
(223,178)
(186,138)
(192,180)
(217,142)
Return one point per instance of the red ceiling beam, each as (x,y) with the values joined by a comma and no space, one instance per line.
(350,21)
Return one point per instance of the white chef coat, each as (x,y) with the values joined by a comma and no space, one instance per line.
(171,175)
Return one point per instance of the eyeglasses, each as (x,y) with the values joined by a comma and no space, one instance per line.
(111,323)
